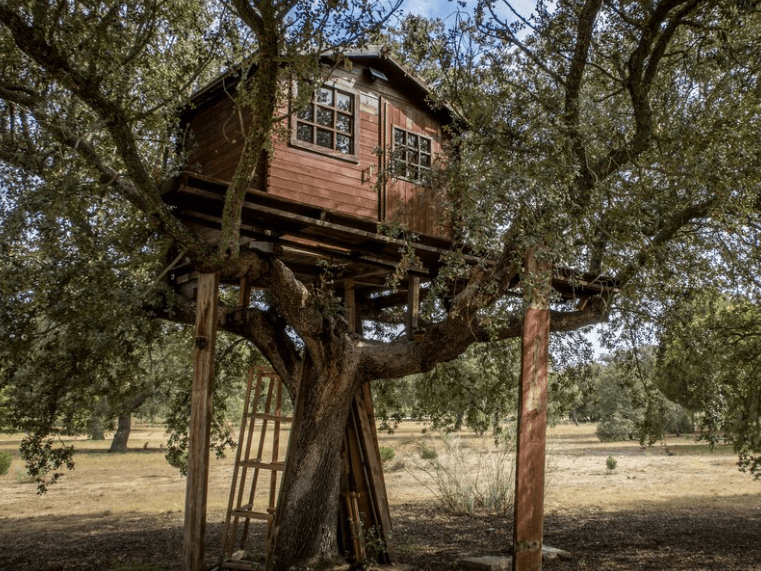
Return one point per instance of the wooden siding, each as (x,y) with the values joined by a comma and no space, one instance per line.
(215,138)
(405,201)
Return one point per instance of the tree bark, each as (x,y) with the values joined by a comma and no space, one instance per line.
(308,509)
(121,436)
(97,425)
(124,426)
(528,528)
(97,431)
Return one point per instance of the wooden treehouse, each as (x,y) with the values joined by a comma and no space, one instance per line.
(359,158)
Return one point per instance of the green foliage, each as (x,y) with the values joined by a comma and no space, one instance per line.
(477,390)
(5,462)
(428,453)
(615,428)
(610,464)
(82,346)
(387,454)
(622,396)
(233,358)
(708,360)
(43,459)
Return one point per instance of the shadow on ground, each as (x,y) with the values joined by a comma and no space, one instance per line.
(719,536)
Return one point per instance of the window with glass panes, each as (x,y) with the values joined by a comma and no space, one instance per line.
(328,122)
(411,155)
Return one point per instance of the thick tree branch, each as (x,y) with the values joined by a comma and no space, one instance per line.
(265,329)
(669,228)
(642,68)
(573,82)
(260,98)
(250,15)
(448,340)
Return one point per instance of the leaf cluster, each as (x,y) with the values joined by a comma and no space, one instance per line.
(708,360)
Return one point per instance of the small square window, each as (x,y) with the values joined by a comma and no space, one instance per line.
(343,123)
(411,156)
(328,124)
(307,114)
(325,96)
(344,144)
(343,102)
(305,133)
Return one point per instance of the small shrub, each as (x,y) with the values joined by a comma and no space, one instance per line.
(5,463)
(23,477)
(611,464)
(615,428)
(469,480)
(386,454)
(428,453)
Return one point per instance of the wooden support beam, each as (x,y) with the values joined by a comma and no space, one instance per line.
(532,423)
(200,423)
(244,294)
(413,306)
(351,305)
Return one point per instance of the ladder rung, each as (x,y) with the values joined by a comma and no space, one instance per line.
(266,416)
(248,514)
(274,466)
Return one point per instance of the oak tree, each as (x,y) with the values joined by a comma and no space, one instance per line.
(615,137)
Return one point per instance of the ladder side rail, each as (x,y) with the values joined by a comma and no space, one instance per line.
(260,451)
(277,425)
(228,541)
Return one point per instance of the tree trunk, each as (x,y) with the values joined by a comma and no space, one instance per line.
(121,437)
(97,429)
(97,425)
(308,510)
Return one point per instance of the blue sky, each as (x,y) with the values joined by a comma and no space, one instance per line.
(443,8)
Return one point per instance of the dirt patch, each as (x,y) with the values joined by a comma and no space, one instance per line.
(675,506)
(700,538)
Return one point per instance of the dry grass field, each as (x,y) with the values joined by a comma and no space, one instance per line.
(673,506)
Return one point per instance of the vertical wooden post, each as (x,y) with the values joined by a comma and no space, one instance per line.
(200,423)
(351,305)
(413,306)
(244,293)
(532,423)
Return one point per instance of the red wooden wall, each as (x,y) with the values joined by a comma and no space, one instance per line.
(348,185)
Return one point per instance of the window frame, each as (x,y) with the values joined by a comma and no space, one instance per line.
(314,105)
(397,150)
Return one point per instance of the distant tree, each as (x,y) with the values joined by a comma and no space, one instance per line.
(620,393)
(709,360)
(478,389)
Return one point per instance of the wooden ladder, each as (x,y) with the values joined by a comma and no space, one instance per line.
(244,504)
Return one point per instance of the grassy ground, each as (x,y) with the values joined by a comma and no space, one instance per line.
(673,506)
